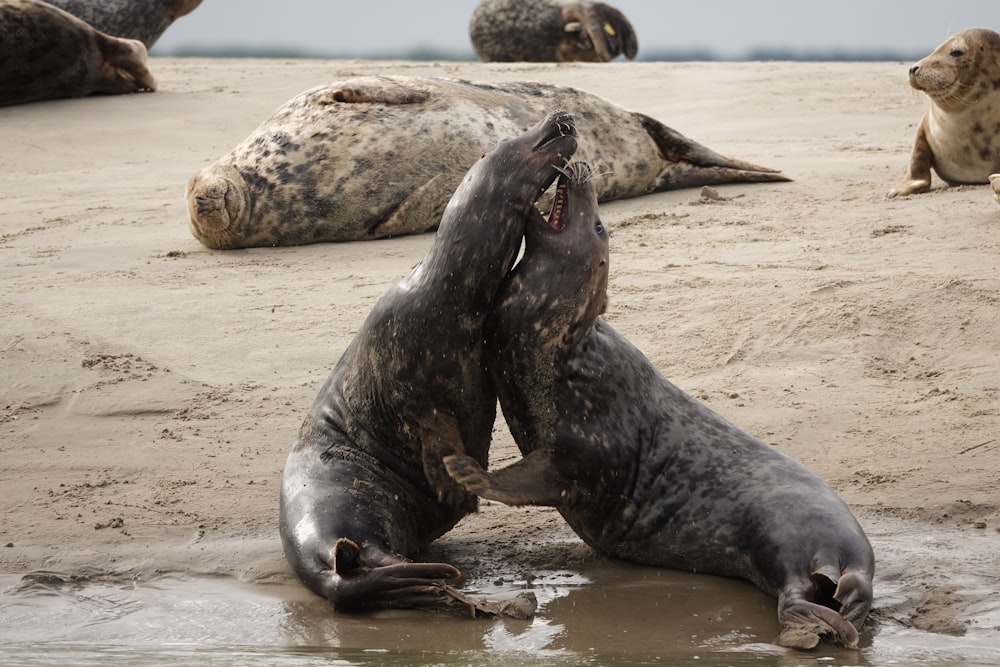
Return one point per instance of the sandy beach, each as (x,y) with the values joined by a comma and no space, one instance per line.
(150,387)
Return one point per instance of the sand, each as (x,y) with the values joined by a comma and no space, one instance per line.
(150,387)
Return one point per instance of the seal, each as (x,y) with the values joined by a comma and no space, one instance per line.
(375,157)
(144,20)
(995,186)
(959,136)
(550,31)
(638,468)
(47,53)
(364,486)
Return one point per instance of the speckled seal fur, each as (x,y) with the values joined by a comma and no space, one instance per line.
(550,31)
(364,485)
(638,468)
(144,20)
(959,136)
(46,53)
(375,157)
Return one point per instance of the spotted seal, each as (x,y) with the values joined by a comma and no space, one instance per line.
(144,20)
(47,53)
(375,157)
(638,468)
(959,136)
(550,31)
(364,486)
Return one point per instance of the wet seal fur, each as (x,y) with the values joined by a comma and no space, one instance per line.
(375,157)
(639,469)
(364,486)
(550,31)
(47,53)
(959,136)
(144,20)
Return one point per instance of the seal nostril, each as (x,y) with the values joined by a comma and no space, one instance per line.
(913,70)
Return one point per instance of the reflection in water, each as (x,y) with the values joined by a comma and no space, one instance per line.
(607,613)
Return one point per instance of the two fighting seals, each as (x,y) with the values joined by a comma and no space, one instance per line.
(364,486)
(375,157)
(959,136)
(47,53)
(550,31)
(639,469)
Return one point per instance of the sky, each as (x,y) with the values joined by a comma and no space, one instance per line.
(728,29)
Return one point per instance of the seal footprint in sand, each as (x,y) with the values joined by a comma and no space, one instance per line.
(639,469)
(46,53)
(959,136)
(550,31)
(375,157)
(364,487)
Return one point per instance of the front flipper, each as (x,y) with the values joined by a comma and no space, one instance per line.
(918,174)
(371,90)
(534,480)
(596,32)
(420,212)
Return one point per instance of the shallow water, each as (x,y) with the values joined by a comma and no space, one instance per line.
(609,614)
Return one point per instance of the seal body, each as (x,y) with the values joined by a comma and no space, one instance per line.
(364,485)
(46,53)
(639,469)
(959,136)
(144,20)
(374,157)
(550,31)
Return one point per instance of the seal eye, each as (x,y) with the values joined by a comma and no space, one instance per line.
(957,53)
(599,228)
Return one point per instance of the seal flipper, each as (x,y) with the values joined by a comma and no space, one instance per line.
(420,212)
(803,622)
(608,34)
(918,175)
(694,164)
(534,480)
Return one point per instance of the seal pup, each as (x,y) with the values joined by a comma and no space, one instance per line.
(144,20)
(364,486)
(47,53)
(959,136)
(995,186)
(375,157)
(639,469)
(550,31)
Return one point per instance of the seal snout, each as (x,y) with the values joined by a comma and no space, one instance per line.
(214,205)
(560,124)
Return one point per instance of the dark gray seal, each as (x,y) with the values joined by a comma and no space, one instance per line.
(550,31)
(639,469)
(144,20)
(46,53)
(374,157)
(364,486)
(959,136)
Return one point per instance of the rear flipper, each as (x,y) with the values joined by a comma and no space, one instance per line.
(693,165)
(598,32)
(831,605)
(376,579)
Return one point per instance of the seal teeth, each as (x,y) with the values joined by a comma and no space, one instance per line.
(556,219)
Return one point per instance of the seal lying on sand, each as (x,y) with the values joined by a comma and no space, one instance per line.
(550,31)
(46,53)
(144,20)
(374,157)
(364,485)
(959,135)
(639,469)
(995,186)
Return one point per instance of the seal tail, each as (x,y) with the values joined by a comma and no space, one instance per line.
(693,165)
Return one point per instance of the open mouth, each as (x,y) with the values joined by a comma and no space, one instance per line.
(556,219)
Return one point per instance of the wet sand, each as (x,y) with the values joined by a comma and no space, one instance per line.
(150,388)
